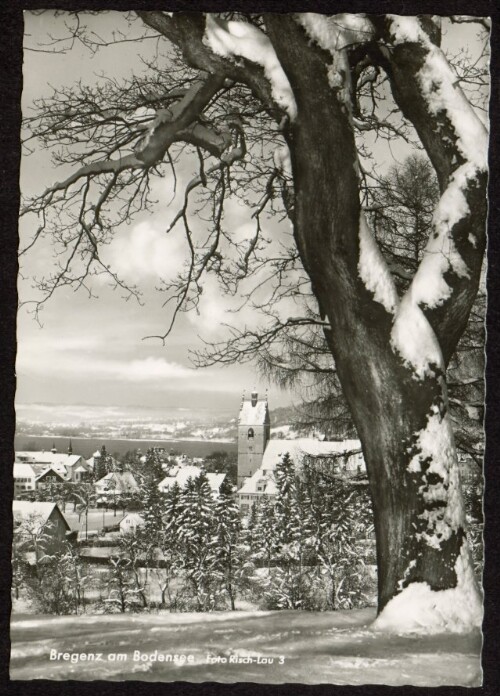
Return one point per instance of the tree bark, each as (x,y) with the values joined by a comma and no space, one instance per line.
(418,511)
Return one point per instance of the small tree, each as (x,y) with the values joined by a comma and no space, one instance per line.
(122,589)
(264,542)
(84,497)
(339,514)
(227,529)
(292,532)
(198,542)
(132,551)
(153,465)
(101,464)
(152,501)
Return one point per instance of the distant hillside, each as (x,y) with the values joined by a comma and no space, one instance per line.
(300,421)
(286,415)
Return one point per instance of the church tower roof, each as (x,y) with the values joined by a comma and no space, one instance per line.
(254,411)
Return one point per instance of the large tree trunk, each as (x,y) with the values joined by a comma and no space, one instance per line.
(396,392)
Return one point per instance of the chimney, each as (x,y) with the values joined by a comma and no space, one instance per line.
(254,398)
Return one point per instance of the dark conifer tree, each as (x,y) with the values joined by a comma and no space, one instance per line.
(227,520)
(197,537)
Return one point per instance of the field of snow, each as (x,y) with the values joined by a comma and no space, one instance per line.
(263,647)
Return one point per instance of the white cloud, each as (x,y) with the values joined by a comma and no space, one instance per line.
(152,369)
(146,251)
(56,359)
(212,309)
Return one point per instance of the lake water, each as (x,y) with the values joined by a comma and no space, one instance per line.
(86,446)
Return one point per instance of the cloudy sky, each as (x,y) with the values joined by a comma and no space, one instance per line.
(92,351)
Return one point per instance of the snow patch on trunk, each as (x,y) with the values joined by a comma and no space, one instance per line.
(419,609)
(233,39)
(436,447)
(414,340)
(373,269)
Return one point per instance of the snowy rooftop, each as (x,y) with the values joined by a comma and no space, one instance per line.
(22,470)
(133,517)
(187,472)
(298,450)
(56,470)
(305,447)
(50,458)
(264,481)
(257,414)
(22,509)
(122,481)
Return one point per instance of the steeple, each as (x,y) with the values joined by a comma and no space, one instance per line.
(254,430)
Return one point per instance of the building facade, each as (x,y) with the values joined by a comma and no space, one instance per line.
(254,430)
(24,478)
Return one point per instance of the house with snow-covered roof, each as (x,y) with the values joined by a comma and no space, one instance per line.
(184,473)
(131,522)
(50,475)
(72,466)
(24,478)
(342,457)
(43,524)
(115,484)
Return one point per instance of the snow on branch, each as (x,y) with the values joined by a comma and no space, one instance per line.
(412,336)
(441,92)
(373,269)
(240,39)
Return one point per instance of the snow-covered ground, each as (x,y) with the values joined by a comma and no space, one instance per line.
(264,647)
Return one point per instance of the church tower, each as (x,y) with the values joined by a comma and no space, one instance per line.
(254,430)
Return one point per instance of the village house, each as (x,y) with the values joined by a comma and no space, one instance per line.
(24,478)
(182,474)
(114,485)
(49,476)
(131,522)
(43,524)
(72,467)
(342,458)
